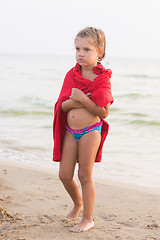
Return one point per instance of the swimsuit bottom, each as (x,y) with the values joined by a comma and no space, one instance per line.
(79,133)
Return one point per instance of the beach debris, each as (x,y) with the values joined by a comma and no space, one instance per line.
(151,226)
(51,219)
(110,217)
(65,205)
(20,239)
(7,216)
(18,216)
(5,171)
(46,219)
(42,219)
(132,219)
(154,225)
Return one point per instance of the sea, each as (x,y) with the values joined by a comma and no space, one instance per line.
(29,87)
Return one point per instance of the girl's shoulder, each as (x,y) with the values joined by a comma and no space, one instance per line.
(74,71)
(108,73)
(101,70)
(70,73)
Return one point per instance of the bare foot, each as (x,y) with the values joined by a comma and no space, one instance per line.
(84,225)
(72,215)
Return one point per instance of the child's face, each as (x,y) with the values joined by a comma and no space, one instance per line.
(86,53)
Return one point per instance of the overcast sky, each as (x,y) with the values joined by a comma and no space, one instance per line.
(49,26)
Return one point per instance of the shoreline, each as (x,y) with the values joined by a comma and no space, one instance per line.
(97,180)
(53,168)
(33,204)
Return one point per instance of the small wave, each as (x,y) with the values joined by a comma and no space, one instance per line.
(145,122)
(136,114)
(114,109)
(35,101)
(130,95)
(47,126)
(134,95)
(12,112)
(141,76)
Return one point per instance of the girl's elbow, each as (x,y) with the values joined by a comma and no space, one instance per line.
(104,114)
(63,108)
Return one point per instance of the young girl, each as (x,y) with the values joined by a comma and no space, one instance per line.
(79,128)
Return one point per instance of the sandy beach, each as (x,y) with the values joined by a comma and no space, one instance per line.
(33,204)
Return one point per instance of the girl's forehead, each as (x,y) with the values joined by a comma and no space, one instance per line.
(83,41)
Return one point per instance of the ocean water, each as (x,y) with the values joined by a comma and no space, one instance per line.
(29,87)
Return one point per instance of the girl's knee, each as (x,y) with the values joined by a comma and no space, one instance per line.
(84,176)
(64,176)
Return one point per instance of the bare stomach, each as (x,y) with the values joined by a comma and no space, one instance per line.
(81,118)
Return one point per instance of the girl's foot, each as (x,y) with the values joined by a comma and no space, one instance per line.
(84,225)
(72,215)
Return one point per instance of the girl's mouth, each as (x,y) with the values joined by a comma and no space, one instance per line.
(81,60)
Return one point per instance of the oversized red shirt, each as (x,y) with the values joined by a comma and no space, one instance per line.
(100,90)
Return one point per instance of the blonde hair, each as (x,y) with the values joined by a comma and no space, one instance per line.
(97,38)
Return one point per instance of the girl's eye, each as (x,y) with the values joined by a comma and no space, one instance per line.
(87,49)
(77,48)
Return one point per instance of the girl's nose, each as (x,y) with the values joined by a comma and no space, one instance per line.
(81,53)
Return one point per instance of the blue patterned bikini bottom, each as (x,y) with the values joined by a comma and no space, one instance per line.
(79,133)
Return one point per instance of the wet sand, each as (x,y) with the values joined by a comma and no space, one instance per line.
(33,204)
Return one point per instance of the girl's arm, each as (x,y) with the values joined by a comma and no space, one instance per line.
(69,104)
(93,108)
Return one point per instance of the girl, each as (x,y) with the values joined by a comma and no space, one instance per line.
(79,128)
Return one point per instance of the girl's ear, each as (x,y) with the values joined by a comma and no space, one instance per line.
(100,54)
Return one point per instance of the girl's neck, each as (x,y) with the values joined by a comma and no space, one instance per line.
(88,73)
(87,68)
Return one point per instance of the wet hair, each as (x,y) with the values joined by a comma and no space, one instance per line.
(97,38)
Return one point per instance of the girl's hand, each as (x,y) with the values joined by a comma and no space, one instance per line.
(77,94)
(70,104)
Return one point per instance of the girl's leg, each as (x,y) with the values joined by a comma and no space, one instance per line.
(88,147)
(66,173)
